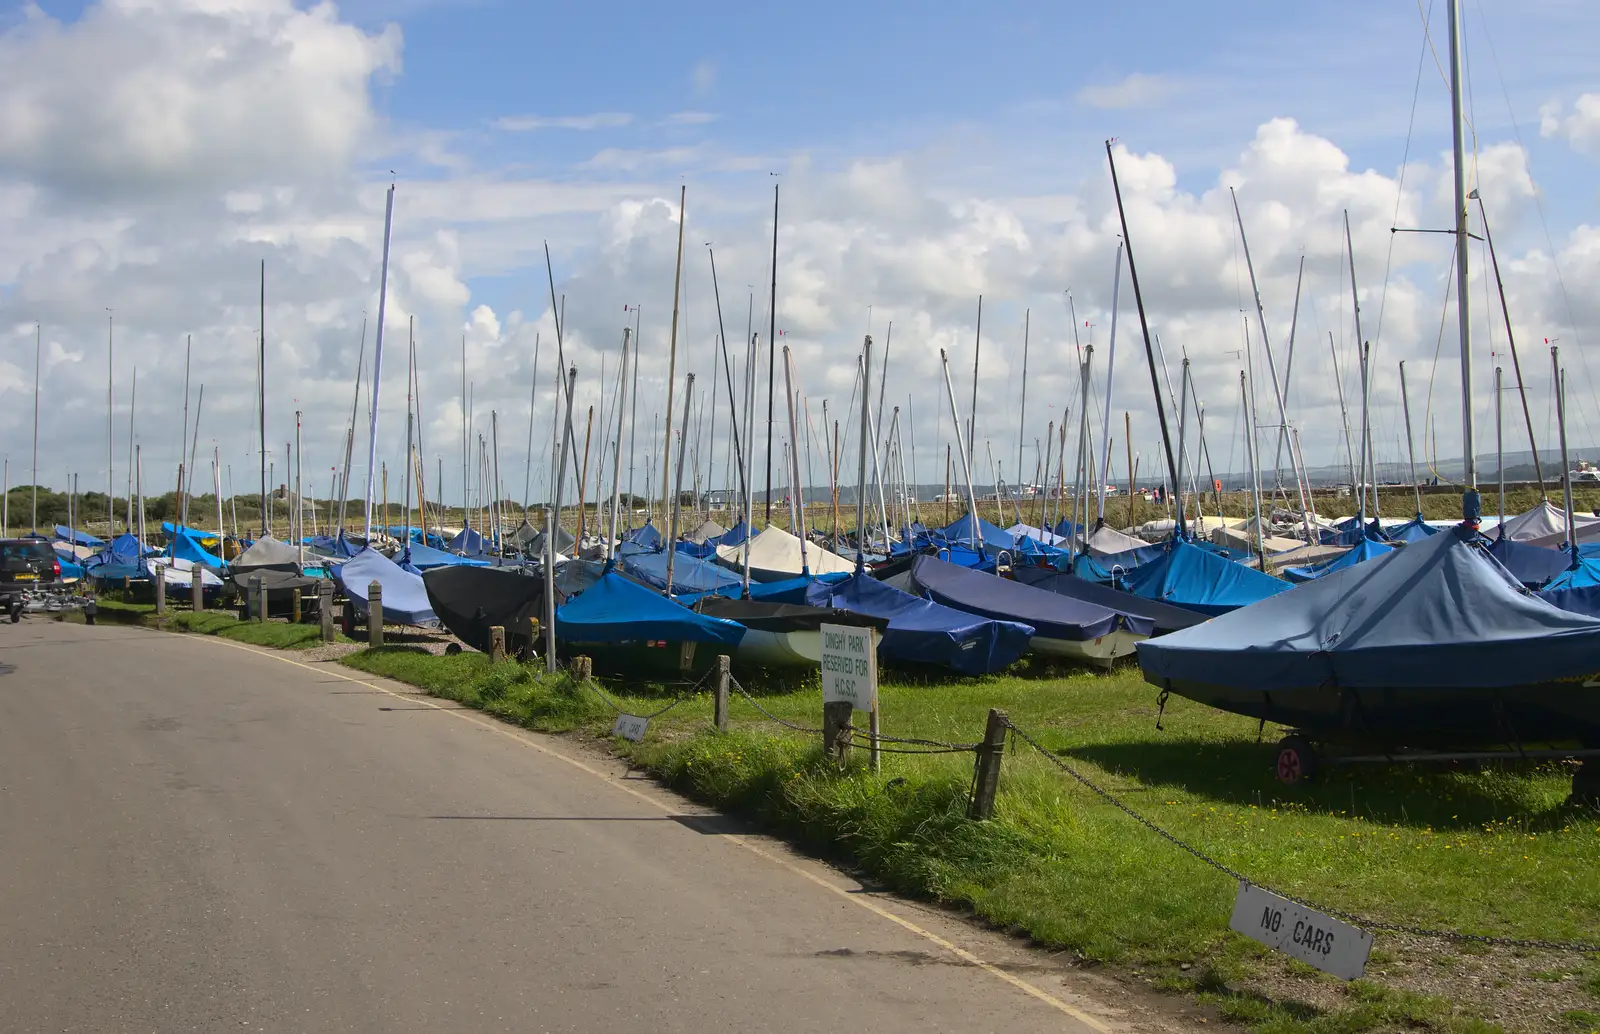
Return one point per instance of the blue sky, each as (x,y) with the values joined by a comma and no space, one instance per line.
(927,152)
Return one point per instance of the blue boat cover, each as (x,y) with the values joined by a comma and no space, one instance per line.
(1052,616)
(124,549)
(1139,616)
(616,610)
(1576,589)
(338,547)
(405,598)
(960,531)
(184,547)
(1414,530)
(71,572)
(1111,569)
(210,539)
(690,574)
(1202,581)
(1531,565)
(77,538)
(1360,553)
(1439,613)
(116,571)
(1067,529)
(923,632)
(646,536)
(1350,532)
(423,557)
(467,541)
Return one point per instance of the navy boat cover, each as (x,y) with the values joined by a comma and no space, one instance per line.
(1438,613)
(1576,589)
(923,632)
(690,574)
(1531,565)
(1052,616)
(1360,553)
(425,558)
(77,538)
(1139,615)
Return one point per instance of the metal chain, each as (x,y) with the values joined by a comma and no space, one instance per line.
(786,724)
(1349,917)
(941,746)
(612,703)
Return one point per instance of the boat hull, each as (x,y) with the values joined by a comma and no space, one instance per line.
(1435,717)
(796,649)
(1102,651)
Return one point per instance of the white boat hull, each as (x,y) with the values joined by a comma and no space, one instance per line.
(801,649)
(1103,651)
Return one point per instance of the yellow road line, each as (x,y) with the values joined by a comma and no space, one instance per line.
(520,737)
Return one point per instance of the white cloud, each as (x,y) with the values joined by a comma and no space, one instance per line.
(531,123)
(1580,127)
(622,159)
(690,118)
(1135,91)
(136,97)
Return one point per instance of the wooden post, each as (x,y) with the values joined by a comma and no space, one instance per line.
(161,595)
(197,593)
(497,643)
(251,588)
(295,614)
(375,614)
(325,610)
(986,773)
(720,701)
(261,599)
(836,729)
(582,668)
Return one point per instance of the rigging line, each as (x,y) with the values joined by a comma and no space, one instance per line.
(1538,203)
(1405,159)
(1443,76)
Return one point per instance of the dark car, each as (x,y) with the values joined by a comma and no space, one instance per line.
(26,565)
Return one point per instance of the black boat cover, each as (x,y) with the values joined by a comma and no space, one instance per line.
(784,617)
(470,600)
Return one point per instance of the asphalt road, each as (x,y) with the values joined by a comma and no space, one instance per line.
(195,836)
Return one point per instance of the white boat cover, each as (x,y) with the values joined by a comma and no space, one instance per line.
(1109,540)
(1049,538)
(776,552)
(1155,531)
(708,529)
(1245,538)
(1303,555)
(180,573)
(1546,524)
(268,552)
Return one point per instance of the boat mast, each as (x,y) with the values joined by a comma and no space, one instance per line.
(1022,410)
(533,401)
(750,364)
(1255,470)
(1499,458)
(1083,445)
(861,460)
(798,492)
(972,414)
(1181,528)
(1411,452)
(38,338)
(133,405)
(1344,412)
(1566,466)
(1471,505)
(1511,339)
(616,451)
(672,360)
(1361,353)
(1105,426)
(727,374)
(772,344)
(1144,323)
(111,516)
(261,371)
(964,449)
(377,359)
(1288,368)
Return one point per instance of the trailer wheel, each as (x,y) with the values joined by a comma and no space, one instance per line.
(1297,761)
(16,614)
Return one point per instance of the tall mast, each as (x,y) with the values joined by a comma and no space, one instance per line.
(111,517)
(1344,413)
(972,414)
(672,353)
(377,358)
(299,500)
(1566,466)
(181,498)
(1470,503)
(772,346)
(350,436)
(133,404)
(38,337)
(1363,439)
(466,405)
(798,492)
(1105,417)
(1411,452)
(1144,324)
(727,371)
(1499,458)
(533,399)
(861,459)
(633,413)
(261,379)
(616,451)
(677,488)
(1511,339)
(1022,411)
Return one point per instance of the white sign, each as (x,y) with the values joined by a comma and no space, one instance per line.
(630,727)
(850,665)
(1313,938)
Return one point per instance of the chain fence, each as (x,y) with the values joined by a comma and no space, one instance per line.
(1349,917)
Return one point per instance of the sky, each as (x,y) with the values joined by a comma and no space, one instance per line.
(155,153)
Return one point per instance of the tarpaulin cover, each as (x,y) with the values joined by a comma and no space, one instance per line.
(405,600)
(1108,540)
(1414,530)
(1545,524)
(71,572)
(1576,589)
(1111,568)
(471,600)
(81,538)
(468,541)
(784,617)
(1052,616)
(185,548)
(426,558)
(180,573)
(1360,553)
(275,581)
(1531,565)
(646,536)
(689,574)
(268,552)
(208,539)
(1202,581)
(923,632)
(616,610)
(1438,613)
(1039,535)
(338,547)
(993,536)
(564,542)
(708,529)
(1349,532)
(1139,616)
(1066,528)
(775,556)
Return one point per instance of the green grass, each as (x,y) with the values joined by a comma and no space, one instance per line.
(1487,850)
(279,634)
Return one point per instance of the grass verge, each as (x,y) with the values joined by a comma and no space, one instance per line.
(1489,850)
(278,634)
